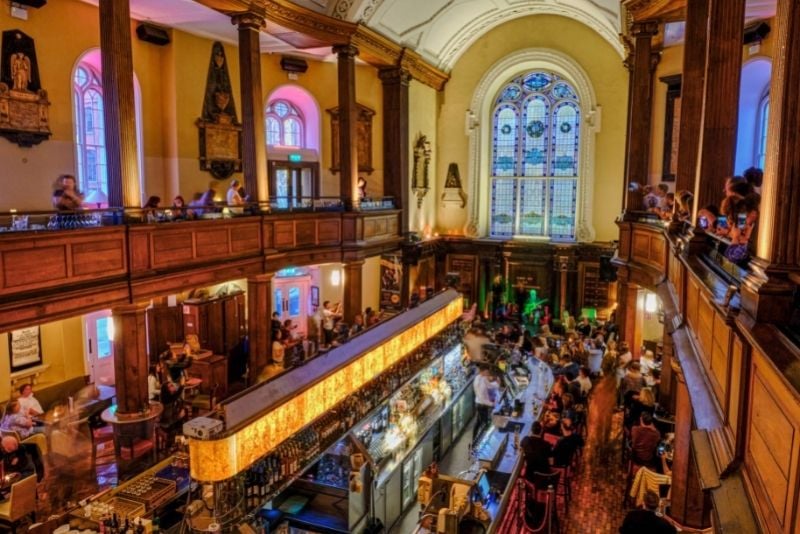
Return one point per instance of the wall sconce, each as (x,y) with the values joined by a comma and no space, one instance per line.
(650,303)
(336,277)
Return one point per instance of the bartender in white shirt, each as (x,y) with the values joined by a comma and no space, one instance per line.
(486,392)
(29,406)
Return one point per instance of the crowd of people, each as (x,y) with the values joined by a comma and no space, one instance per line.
(67,197)
(735,217)
(587,362)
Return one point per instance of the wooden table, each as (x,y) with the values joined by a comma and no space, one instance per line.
(128,427)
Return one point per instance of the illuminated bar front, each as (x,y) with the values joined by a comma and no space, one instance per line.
(349,367)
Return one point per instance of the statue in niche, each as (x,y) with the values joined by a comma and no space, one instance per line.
(220,130)
(24,117)
(421,172)
(20,71)
(453,191)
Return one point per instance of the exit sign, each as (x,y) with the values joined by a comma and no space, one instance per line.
(295,158)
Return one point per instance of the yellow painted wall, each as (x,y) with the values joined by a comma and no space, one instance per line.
(423,120)
(27,174)
(609,78)
(62,350)
(320,80)
(172,80)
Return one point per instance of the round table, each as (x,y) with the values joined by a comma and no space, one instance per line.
(128,427)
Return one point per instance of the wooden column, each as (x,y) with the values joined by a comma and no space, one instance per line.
(768,295)
(692,87)
(119,105)
(131,364)
(721,102)
(626,313)
(254,144)
(352,289)
(639,117)
(689,502)
(396,81)
(259,314)
(348,123)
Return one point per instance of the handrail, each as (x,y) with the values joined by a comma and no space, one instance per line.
(44,220)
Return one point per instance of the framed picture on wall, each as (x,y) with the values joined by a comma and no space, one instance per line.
(25,348)
(315,296)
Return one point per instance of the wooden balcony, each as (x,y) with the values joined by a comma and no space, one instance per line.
(47,275)
(741,375)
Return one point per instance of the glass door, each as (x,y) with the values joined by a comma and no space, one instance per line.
(99,346)
(291,301)
(293,185)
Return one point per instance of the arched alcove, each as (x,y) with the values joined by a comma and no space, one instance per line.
(754,94)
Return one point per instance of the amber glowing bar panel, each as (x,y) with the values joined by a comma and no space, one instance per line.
(222,458)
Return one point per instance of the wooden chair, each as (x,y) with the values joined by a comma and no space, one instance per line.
(21,503)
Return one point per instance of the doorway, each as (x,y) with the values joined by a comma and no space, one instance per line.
(290,298)
(293,185)
(99,347)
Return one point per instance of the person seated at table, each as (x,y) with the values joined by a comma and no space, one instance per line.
(644,441)
(632,382)
(30,407)
(647,361)
(278,350)
(287,332)
(567,366)
(555,401)
(174,412)
(537,452)
(275,322)
(566,446)
(15,458)
(15,421)
(646,520)
(584,381)
(154,382)
(358,325)
(641,402)
(568,409)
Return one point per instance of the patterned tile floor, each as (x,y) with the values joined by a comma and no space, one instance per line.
(597,495)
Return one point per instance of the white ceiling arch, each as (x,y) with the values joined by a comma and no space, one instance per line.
(441,30)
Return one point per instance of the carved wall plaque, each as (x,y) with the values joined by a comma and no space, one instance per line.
(364,133)
(23,103)
(420,175)
(453,191)
(220,130)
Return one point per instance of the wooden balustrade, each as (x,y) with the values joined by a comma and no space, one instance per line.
(749,368)
(95,268)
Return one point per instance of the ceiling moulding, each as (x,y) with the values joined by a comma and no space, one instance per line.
(319,29)
(661,10)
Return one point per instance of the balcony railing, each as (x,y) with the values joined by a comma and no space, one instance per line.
(22,221)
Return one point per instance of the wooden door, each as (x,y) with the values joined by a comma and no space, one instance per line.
(164,325)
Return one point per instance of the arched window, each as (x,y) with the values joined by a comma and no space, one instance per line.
(761,134)
(90,137)
(89,130)
(284,125)
(536,126)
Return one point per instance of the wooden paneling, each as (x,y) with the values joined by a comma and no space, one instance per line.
(34,262)
(735,388)
(371,227)
(692,298)
(302,230)
(649,248)
(172,247)
(772,451)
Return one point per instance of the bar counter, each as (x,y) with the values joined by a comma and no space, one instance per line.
(496,455)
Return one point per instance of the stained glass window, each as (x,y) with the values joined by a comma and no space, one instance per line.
(536,130)
(532,207)
(284,124)
(504,202)
(506,138)
(562,209)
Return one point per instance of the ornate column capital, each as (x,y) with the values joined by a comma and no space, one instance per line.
(394,75)
(345,50)
(249,20)
(644,29)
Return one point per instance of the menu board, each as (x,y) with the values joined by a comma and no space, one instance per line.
(25,348)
